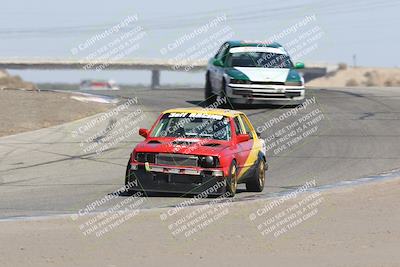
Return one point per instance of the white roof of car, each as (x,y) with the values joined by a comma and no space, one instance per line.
(254,49)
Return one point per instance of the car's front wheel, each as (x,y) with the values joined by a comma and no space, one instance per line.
(128,176)
(257,182)
(231,180)
(223,94)
(209,96)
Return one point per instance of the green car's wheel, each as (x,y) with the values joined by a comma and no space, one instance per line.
(209,96)
(223,94)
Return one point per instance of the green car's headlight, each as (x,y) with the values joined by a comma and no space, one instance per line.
(297,83)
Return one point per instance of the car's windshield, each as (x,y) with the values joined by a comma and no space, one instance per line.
(193,125)
(259,59)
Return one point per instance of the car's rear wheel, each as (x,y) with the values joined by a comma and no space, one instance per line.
(257,182)
(209,96)
(231,180)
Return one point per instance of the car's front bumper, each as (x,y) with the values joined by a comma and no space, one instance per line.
(274,94)
(152,178)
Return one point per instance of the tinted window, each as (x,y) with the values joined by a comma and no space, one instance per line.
(192,125)
(259,59)
(223,47)
(238,127)
(223,52)
(247,127)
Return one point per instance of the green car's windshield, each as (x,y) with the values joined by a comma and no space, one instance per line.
(193,125)
(258,59)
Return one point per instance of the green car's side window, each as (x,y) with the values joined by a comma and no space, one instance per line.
(223,52)
(219,51)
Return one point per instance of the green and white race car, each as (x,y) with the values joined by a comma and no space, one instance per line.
(254,72)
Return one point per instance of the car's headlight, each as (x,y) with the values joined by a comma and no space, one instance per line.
(240,81)
(208,161)
(297,83)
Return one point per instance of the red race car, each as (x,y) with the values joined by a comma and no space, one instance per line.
(196,150)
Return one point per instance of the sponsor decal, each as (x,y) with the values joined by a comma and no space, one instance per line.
(195,115)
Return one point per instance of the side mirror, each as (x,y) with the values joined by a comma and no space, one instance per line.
(144,132)
(218,63)
(243,138)
(299,65)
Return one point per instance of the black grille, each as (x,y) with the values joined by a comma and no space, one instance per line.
(146,157)
(177,160)
(268,83)
(255,94)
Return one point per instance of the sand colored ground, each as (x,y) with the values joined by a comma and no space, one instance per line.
(8,81)
(360,76)
(23,111)
(354,226)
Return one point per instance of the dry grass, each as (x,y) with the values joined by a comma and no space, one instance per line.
(360,77)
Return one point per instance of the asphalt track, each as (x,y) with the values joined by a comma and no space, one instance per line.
(47,172)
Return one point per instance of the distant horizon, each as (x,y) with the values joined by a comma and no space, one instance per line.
(339,32)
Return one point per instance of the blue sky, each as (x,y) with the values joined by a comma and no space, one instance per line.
(50,29)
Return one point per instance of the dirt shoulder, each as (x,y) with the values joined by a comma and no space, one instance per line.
(9,81)
(360,76)
(353,226)
(23,111)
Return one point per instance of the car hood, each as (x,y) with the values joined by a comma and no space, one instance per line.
(190,146)
(263,74)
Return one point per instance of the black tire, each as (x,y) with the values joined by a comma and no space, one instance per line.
(231,180)
(209,96)
(128,175)
(257,182)
(223,94)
